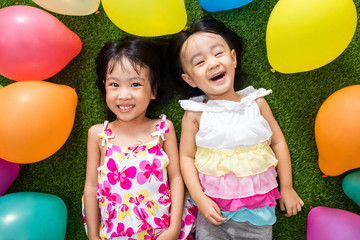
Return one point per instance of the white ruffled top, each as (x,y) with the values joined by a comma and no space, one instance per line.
(230,125)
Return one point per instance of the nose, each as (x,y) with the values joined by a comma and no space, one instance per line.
(212,63)
(124,93)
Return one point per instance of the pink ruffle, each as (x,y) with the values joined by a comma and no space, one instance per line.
(229,186)
(253,202)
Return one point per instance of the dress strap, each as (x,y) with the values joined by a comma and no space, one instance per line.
(105,134)
(261,92)
(160,128)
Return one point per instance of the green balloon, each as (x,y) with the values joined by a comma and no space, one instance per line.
(32,216)
(351,186)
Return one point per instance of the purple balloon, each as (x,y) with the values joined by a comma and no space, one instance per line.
(8,173)
(332,224)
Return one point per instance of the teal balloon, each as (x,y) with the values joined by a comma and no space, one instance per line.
(351,186)
(32,216)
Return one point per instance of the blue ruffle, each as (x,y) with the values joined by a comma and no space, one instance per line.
(259,216)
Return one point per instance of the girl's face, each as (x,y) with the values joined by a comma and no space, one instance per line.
(209,64)
(128,93)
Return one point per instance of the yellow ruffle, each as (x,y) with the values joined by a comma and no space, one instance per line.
(242,162)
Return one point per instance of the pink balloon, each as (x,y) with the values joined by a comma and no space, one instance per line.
(332,224)
(8,173)
(34,45)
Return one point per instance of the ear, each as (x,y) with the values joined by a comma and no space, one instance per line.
(154,94)
(233,55)
(188,80)
(153,97)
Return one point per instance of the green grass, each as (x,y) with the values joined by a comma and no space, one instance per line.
(295,101)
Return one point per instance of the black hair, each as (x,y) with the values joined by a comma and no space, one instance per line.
(210,25)
(140,53)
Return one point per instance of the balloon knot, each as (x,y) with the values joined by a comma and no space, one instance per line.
(273,70)
(185,28)
(311,207)
(324,176)
(97,12)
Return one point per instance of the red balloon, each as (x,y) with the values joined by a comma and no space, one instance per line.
(34,45)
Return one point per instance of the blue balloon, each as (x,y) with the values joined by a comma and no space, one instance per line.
(32,216)
(220,5)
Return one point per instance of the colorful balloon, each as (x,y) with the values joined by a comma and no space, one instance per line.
(220,5)
(351,186)
(8,173)
(332,224)
(147,18)
(337,131)
(34,45)
(66,7)
(303,35)
(32,216)
(36,119)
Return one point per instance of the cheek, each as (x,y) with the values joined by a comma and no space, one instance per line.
(110,96)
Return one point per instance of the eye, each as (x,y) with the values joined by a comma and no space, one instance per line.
(113,84)
(135,85)
(218,54)
(199,63)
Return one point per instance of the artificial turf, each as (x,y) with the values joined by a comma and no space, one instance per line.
(295,101)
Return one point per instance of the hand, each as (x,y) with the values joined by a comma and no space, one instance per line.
(169,234)
(210,211)
(290,202)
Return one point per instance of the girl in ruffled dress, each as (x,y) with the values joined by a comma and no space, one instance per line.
(133,173)
(231,148)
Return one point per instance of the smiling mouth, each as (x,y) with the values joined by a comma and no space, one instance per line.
(125,108)
(217,77)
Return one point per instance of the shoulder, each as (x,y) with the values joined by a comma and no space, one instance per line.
(169,124)
(263,104)
(261,101)
(95,130)
(191,118)
(192,115)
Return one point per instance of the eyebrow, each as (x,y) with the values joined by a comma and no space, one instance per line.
(134,78)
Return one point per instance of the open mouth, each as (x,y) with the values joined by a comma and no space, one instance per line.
(218,76)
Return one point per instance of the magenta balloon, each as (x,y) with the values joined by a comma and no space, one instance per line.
(34,45)
(332,224)
(8,173)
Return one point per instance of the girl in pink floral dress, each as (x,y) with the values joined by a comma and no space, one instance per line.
(132,162)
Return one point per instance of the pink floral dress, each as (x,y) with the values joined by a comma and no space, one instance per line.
(133,192)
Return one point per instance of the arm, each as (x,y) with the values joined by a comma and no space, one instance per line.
(91,184)
(208,208)
(289,201)
(176,184)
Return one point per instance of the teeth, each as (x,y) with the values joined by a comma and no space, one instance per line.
(125,107)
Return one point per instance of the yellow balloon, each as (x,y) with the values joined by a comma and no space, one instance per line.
(70,7)
(36,119)
(303,35)
(147,18)
(337,131)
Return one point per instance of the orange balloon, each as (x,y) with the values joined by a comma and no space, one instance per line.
(337,131)
(36,119)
